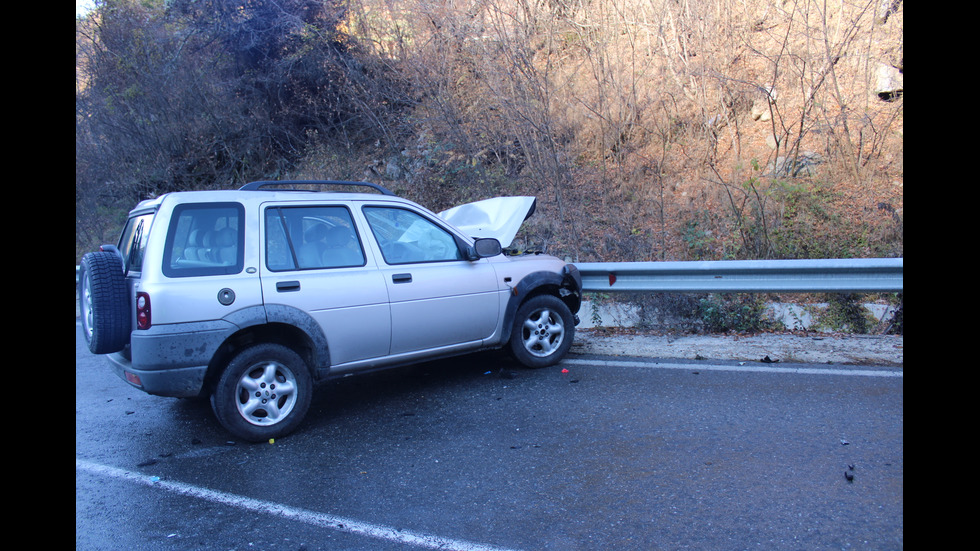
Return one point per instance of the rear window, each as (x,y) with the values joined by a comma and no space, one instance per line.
(205,239)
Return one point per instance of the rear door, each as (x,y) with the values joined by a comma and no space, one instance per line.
(438,299)
(314,261)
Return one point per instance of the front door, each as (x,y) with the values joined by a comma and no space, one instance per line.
(438,298)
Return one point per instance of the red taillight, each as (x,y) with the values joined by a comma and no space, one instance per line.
(143,319)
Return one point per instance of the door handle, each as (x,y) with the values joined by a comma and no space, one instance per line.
(401,278)
(287,286)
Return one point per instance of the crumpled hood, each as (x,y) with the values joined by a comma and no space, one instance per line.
(499,217)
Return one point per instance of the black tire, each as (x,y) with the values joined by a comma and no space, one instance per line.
(543,331)
(263,393)
(104,302)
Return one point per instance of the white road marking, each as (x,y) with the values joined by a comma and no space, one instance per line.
(313,518)
(747,368)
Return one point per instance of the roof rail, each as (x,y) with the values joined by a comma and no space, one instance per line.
(260,185)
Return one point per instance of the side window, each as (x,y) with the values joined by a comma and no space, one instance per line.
(406,237)
(311,238)
(132,242)
(205,239)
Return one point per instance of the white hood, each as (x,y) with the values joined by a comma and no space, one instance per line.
(499,217)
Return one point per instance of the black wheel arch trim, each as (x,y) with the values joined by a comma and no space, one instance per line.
(269,315)
(566,285)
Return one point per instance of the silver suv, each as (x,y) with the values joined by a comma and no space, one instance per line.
(252,296)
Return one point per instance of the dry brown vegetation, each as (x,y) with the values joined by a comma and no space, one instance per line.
(648,129)
(632,121)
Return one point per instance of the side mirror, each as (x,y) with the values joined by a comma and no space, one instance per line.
(485,247)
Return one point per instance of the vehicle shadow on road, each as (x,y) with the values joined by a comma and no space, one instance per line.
(387,388)
(395,393)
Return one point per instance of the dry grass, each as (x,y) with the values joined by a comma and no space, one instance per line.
(633,121)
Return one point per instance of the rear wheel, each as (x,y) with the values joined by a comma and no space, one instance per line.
(543,331)
(103,302)
(264,393)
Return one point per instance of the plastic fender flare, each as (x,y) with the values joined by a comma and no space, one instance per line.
(287,315)
(528,286)
(278,313)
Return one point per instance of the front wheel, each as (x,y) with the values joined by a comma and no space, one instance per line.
(543,331)
(264,393)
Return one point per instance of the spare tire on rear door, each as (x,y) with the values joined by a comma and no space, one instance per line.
(104,302)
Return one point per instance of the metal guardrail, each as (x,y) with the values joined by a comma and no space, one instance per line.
(742,276)
(746,276)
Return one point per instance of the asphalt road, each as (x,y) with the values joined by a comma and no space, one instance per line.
(477,453)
